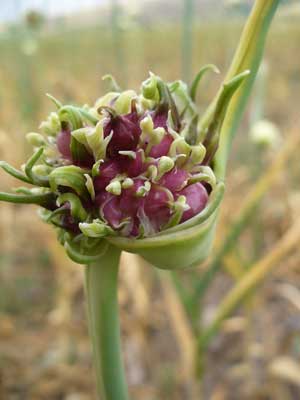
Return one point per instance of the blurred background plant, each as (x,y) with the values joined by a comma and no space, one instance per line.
(251,337)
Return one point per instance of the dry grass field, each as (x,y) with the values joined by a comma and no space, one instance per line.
(44,348)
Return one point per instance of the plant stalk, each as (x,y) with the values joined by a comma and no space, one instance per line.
(187,39)
(101,293)
(246,212)
(248,56)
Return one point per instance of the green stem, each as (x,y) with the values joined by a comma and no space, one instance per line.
(101,292)
(248,56)
(44,200)
(247,210)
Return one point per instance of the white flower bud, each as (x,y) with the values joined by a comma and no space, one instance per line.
(265,134)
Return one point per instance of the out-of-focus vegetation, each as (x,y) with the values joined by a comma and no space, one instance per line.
(44,349)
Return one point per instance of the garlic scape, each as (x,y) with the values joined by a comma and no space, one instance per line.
(134,171)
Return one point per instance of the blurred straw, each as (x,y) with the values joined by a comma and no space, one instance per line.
(176,312)
(24,63)
(137,278)
(245,214)
(186,339)
(187,39)
(183,331)
(258,272)
(286,369)
(8,212)
(118,42)
(69,278)
(233,266)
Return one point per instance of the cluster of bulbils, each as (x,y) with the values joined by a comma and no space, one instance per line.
(132,165)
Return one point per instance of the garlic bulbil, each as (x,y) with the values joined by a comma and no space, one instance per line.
(132,170)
